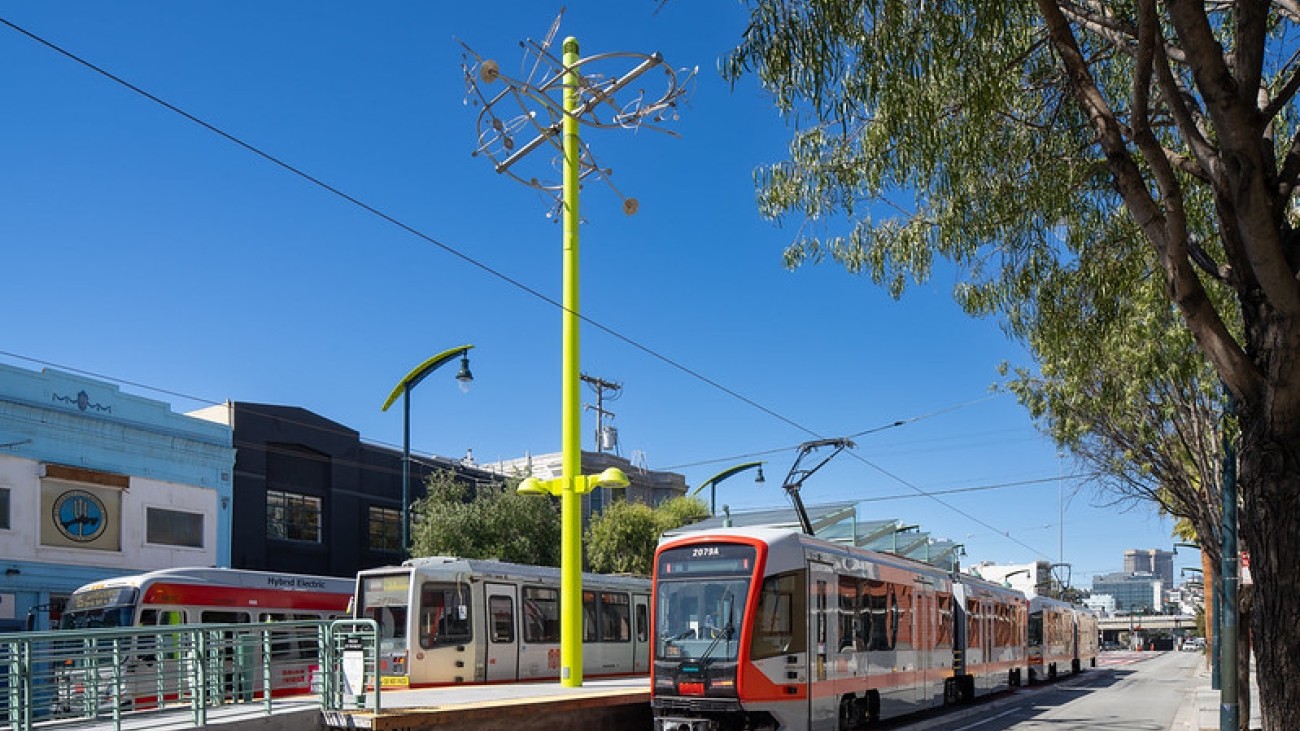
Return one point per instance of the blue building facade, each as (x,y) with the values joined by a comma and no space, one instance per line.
(95,482)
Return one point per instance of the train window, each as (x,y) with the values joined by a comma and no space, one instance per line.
(642,623)
(850,616)
(1036,628)
(974,624)
(880,603)
(782,606)
(589,616)
(445,612)
(541,614)
(944,637)
(615,618)
(501,610)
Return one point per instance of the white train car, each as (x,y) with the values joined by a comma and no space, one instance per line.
(446,620)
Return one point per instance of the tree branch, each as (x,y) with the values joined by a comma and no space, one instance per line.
(1185,288)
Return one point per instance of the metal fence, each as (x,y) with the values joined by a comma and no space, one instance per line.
(161,675)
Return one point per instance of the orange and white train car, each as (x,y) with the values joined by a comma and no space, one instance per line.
(769,628)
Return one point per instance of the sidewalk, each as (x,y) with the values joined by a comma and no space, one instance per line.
(1205,716)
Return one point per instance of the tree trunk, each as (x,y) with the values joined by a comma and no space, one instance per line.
(1270,476)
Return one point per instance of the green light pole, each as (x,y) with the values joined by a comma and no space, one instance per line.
(712,482)
(403,389)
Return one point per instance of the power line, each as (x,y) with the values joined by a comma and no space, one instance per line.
(406,227)
(474,263)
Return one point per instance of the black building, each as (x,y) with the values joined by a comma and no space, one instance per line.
(310,497)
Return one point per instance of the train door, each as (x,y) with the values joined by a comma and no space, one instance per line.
(502,634)
(922,639)
(640,634)
(823,705)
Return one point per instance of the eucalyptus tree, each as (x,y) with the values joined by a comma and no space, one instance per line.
(1022,138)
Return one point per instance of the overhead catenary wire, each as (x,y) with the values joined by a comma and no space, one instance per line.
(466,258)
(486,268)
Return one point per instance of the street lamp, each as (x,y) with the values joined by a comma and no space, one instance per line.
(403,389)
(959,547)
(712,482)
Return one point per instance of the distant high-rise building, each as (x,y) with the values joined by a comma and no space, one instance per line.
(1150,561)
(1133,593)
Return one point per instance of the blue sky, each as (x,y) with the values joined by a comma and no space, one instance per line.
(141,247)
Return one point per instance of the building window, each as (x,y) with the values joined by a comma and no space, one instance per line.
(385,529)
(4,508)
(291,516)
(174,528)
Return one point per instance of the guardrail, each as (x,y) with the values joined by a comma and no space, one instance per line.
(141,674)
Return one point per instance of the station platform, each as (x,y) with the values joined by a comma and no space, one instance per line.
(604,703)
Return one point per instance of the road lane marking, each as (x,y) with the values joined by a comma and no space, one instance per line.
(987,720)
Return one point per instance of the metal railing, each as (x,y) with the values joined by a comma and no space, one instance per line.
(144,675)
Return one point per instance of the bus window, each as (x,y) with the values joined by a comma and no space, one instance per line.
(445,613)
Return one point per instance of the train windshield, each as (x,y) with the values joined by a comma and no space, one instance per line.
(112,607)
(700,601)
(386,599)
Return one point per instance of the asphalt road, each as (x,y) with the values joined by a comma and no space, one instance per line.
(1126,692)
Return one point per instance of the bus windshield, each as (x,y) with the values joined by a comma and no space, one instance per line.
(700,601)
(105,607)
(96,618)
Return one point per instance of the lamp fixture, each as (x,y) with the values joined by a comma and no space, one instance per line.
(464,378)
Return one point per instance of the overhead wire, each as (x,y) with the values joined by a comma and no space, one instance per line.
(407,228)
(466,258)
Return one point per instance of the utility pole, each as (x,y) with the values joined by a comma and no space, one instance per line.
(1229,708)
(600,386)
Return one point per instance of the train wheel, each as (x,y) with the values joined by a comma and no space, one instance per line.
(873,706)
(850,714)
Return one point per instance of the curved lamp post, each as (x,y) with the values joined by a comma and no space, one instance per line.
(712,482)
(1006,580)
(403,389)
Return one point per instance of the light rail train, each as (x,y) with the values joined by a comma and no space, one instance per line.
(444,621)
(766,628)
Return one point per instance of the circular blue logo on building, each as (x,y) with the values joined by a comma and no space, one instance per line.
(80,516)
